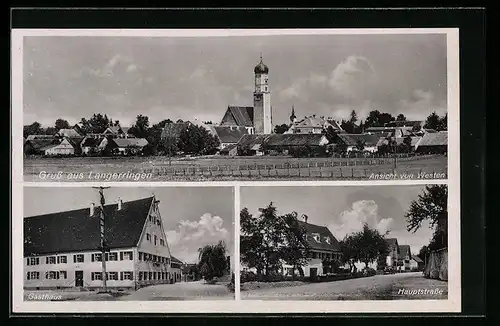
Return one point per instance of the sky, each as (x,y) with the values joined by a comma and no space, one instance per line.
(192,216)
(344,209)
(71,77)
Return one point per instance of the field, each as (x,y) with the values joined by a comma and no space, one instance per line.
(217,168)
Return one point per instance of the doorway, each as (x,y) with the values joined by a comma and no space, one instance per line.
(313,272)
(79,278)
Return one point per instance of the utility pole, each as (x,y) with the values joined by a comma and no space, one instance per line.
(103,245)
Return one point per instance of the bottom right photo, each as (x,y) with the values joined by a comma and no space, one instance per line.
(377,242)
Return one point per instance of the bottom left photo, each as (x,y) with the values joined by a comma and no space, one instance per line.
(108,243)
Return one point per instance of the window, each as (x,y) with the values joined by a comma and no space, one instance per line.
(51,275)
(155,239)
(63,275)
(33,261)
(151,218)
(145,276)
(126,276)
(316,237)
(140,276)
(126,255)
(148,236)
(96,276)
(327,239)
(62,259)
(112,256)
(162,242)
(150,275)
(50,260)
(78,258)
(112,276)
(33,275)
(96,257)
(140,256)
(158,222)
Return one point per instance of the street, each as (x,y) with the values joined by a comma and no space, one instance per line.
(404,286)
(177,291)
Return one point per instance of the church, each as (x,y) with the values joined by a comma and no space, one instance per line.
(256,119)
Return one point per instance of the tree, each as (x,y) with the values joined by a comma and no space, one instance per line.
(401,117)
(197,140)
(268,240)
(33,129)
(377,119)
(50,131)
(369,245)
(349,252)
(422,254)
(141,127)
(432,122)
(61,124)
(353,117)
(443,123)
(295,248)
(96,124)
(281,129)
(212,260)
(431,206)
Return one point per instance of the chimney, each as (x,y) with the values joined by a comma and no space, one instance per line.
(305,217)
(92,209)
(119,204)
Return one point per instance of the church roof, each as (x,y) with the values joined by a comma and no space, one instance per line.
(75,230)
(261,68)
(243,115)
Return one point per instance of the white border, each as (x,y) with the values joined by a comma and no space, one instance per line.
(452,304)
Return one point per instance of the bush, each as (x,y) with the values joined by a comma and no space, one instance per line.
(247,277)
(369,271)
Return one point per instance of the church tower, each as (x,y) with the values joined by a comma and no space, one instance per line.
(262,100)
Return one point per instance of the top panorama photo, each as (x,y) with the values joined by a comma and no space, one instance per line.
(252,108)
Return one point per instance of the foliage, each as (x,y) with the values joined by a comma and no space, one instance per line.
(197,140)
(61,124)
(436,122)
(281,129)
(331,135)
(96,124)
(33,129)
(377,119)
(212,260)
(268,240)
(366,245)
(424,251)
(401,117)
(431,206)
(141,127)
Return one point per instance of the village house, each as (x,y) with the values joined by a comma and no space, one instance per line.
(393,252)
(117,132)
(127,146)
(62,250)
(279,143)
(37,146)
(70,133)
(230,150)
(93,145)
(416,264)
(433,143)
(312,125)
(404,257)
(229,135)
(358,142)
(322,246)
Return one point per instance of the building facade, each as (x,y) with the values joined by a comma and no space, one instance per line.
(322,246)
(62,250)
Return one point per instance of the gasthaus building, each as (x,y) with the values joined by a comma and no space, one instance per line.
(62,250)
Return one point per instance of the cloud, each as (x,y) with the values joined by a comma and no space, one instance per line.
(421,101)
(189,236)
(362,211)
(132,68)
(352,77)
